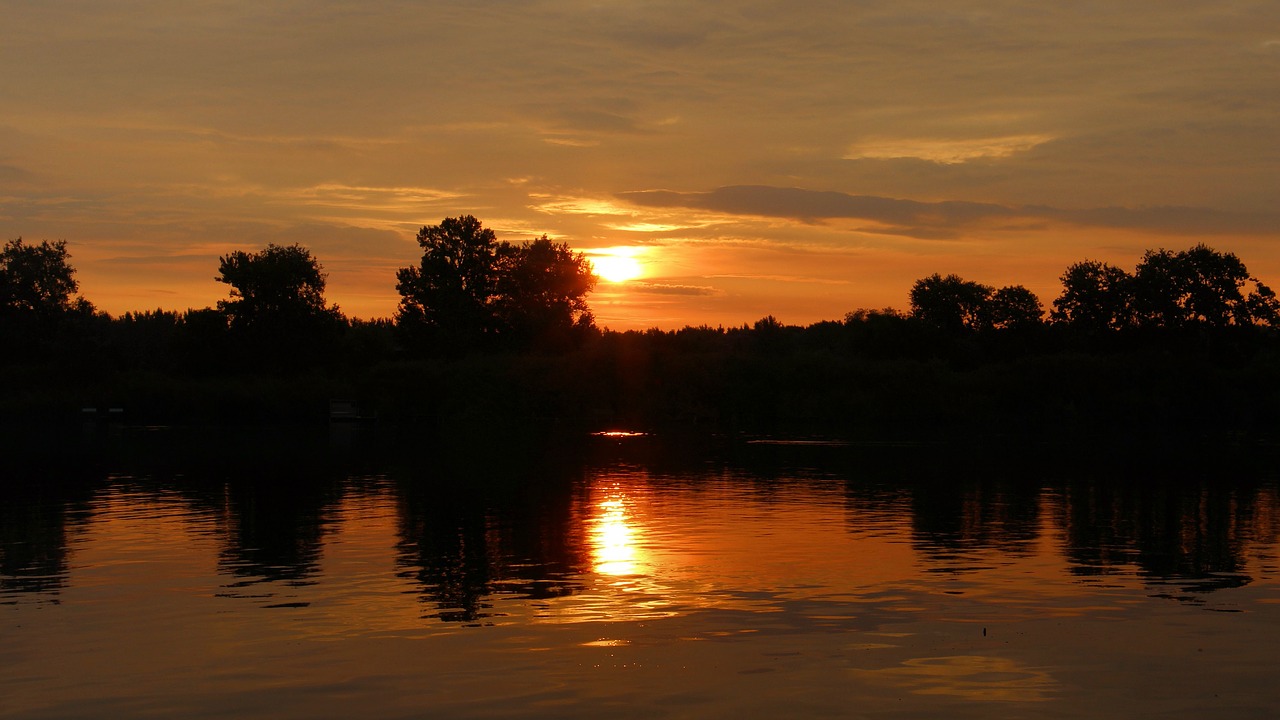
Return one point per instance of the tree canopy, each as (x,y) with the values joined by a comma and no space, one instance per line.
(276,286)
(449,293)
(276,316)
(38,279)
(1198,287)
(541,292)
(951,302)
(954,304)
(471,290)
(1014,307)
(1095,296)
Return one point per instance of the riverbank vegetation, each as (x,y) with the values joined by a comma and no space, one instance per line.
(493,337)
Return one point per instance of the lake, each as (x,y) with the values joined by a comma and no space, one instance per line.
(358,573)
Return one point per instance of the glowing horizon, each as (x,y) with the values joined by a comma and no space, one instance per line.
(1001,144)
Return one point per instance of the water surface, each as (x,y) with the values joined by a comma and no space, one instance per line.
(615,577)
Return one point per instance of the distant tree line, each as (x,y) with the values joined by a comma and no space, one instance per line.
(489,329)
(468,293)
(472,292)
(1195,288)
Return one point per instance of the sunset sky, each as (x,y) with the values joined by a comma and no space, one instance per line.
(794,159)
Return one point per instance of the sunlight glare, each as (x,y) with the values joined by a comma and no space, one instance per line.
(618,264)
(614,548)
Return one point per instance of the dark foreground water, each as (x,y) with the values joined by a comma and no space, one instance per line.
(261,575)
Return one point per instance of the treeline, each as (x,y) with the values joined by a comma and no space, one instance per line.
(494,336)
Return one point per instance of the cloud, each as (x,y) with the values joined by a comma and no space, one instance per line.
(597,121)
(646,227)
(945,219)
(1172,220)
(813,206)
(807,279)
(14,174)
(943,150)
(369,198)
(655,288)
(570,141)
(570,205)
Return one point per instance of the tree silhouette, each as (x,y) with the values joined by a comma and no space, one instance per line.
(1196,287)
(541,293)
(448,294)
(951,303)
(278,284)
(1015,307)
(1095,297)
(470,290)
(1263,305)
(277,309)
(38,280)
(1199,286)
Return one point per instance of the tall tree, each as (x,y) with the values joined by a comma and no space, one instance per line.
(275,287)
(1095,296)
(951,303)
(448,295)
(1199,286)
(470,290)
(276,316)
(541,290)
(1015,307)
(38,280)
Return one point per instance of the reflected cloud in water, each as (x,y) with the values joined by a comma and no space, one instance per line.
(970,676)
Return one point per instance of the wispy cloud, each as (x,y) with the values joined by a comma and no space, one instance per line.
(944,150)
(946,219)
(806,279)
(657,288)
(570,205)
(369,198)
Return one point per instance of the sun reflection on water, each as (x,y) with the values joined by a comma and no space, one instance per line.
(613,542)
(619,434)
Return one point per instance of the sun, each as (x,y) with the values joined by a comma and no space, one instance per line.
(617,265)
(616,268)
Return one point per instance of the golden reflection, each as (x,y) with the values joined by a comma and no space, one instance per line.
(613,541)
(632,579)
(606,642)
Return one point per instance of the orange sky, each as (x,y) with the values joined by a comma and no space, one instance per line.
(768,158)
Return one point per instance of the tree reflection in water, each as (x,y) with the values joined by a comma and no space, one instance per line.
(469,539)
(37,513)
(754,580)
(1189,534)
(1183,522)
(477,528)
(272,505)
